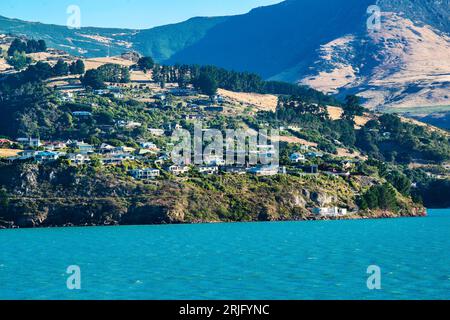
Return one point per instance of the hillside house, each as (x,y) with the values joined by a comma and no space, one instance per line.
(156,132)
(123,149)
(333,212)
(46,156)
(236,170)
(217,99)
(335,173)
(23,155)
(264,170)
(101,92)
(117,159)
(264,152)
(149,146)
(297,158)
(83,147)
(314,154)
(214,161)
(30,142)
(178,170)
(78,159)
(106,148)
(82,114)
(5,142)
(208,170)
(57,145)
(145,174)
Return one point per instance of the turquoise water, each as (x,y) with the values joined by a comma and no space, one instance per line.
(292,260)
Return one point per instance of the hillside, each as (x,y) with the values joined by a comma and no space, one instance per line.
(400,66)
(319,43)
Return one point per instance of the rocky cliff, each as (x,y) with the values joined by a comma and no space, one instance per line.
(63,196)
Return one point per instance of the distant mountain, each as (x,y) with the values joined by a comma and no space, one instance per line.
(271,39)
(160,42)
(321,43)
(163,42)
(85,42)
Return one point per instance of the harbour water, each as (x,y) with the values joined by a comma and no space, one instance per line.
(286,260)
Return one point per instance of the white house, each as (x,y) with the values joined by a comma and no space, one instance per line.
(236,170)
(78,159)
(333,212)
(105,148)
(118,95)
(214,161)
(156,132)
(84,147)
(117,159)
(30,142)
(264,170)
(314,154)
(124,149)
(149,145)
(178,170)
(133,125)
(145,174)
(52,146)
(297,157)
(208,170)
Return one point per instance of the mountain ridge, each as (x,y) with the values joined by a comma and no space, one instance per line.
(288,41)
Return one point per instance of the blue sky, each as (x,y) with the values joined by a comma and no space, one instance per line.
(125,13)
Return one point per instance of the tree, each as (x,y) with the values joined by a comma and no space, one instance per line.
(19,60)
(80,67)
(400,182)
(146,63)
(93,79)
(32,46)
(38,72)
(114,73)
(17,45)
(206,84)
(77,67)
(352,107)
(61,68)
(4,199)
(105,117)
(42,46)
(379,197)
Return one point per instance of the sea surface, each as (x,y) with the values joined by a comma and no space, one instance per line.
(287,260)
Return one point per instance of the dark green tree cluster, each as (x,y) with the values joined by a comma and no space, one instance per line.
(29,46)
(379,197)
(146,63)
(237,81)
(205,84)
(4,199)
(63,68)
(352,108)
(115,73)
(400,181)
(77,67)
(19,60)
(93,79)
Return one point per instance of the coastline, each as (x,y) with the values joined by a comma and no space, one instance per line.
(379,215)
